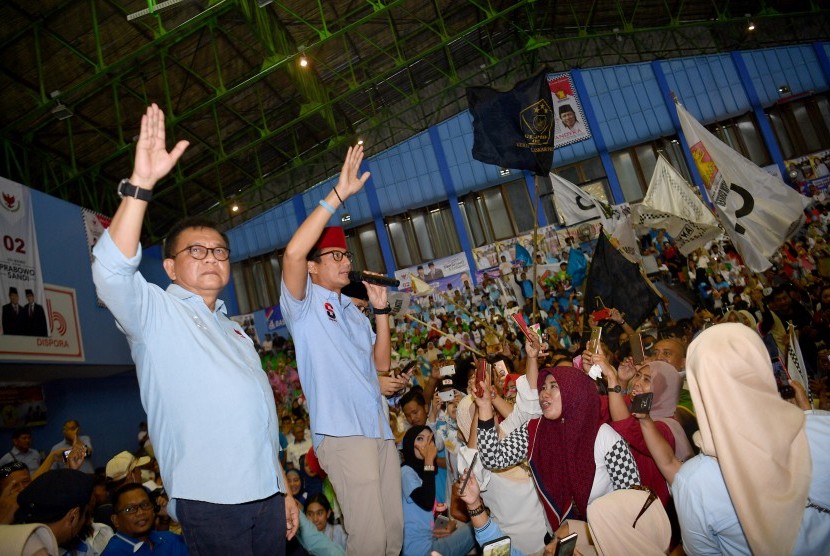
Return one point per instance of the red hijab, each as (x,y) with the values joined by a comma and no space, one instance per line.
(562,450)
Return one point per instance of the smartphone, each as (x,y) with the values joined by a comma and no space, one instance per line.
(66,454)
(641,403)
(467,476)
(497,547)
(447,370)
(441,522)
(482,368)
(637,352)
(601,314)
(397,373)
(566,545)
(596,334)
(520,320)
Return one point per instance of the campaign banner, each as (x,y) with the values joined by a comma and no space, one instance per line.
(811,173)
(21,281)
(453,270)
(274,318)
(64,343)
(570,126)
(550,240)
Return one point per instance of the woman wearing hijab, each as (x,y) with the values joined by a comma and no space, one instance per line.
(573,456)
(663,381)
(762,481)
(508,493)
(420,536)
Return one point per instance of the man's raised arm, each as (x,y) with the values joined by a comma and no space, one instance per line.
(152,162)
(294,267)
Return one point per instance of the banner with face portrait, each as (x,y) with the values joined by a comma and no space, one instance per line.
(21,281)
(570,126)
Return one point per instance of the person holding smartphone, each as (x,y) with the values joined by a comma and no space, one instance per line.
(422,532)
(663,382)
(573,456)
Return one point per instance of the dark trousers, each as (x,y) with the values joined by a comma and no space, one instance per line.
(255,528)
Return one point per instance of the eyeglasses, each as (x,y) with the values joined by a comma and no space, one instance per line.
(338,255)
(133,508)
(199,252)
(649,501)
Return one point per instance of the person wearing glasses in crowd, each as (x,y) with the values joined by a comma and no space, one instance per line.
(190,360)
(339,358)
(134,519)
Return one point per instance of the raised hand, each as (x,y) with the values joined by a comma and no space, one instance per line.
(152,161)
(349,183)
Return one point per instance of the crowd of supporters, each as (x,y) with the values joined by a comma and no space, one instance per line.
(544,447)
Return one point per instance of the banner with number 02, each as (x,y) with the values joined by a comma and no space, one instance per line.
(21,282)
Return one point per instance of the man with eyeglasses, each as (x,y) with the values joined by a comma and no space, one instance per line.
(210,408)
(134,518)
(338,358)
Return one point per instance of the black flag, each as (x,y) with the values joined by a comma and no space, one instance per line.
(619,283)
(514,129)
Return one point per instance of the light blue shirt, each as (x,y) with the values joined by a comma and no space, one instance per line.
(334,343)
(31,458)
(708,520)
(210,408)
(63,445)
(417,522)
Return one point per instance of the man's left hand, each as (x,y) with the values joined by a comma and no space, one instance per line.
(292,517)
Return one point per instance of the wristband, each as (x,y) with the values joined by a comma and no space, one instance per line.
(126,189)
(480,510)
(385,311)
(429,468)
(338,195)
(326,206)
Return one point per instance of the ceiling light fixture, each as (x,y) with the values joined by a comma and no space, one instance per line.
(360,141)
(303,62)
(750,25)
(60,111)
(235,208)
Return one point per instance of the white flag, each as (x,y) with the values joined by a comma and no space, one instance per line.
(621,232)
(670,203)
(757,210)
(573,203)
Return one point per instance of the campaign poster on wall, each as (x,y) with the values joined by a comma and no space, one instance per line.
(21,281)
(440,273)
(570,126)
(94,226)
(63,344)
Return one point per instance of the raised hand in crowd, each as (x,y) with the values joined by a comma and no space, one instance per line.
(801,400)
(661,451)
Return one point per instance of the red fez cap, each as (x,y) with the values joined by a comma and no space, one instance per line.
(332,236)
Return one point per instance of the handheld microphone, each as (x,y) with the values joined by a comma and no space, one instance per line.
(360,276)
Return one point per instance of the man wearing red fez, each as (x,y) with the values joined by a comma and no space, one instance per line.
(338,358)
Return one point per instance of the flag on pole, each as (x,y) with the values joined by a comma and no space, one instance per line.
(795,362)
(670,203)
(419,287)
(619,283)
(574,203)
(758,210)
(622,232)
(514,129)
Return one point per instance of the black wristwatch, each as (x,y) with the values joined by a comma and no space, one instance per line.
(617,389)
(385,311)
(126,189)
